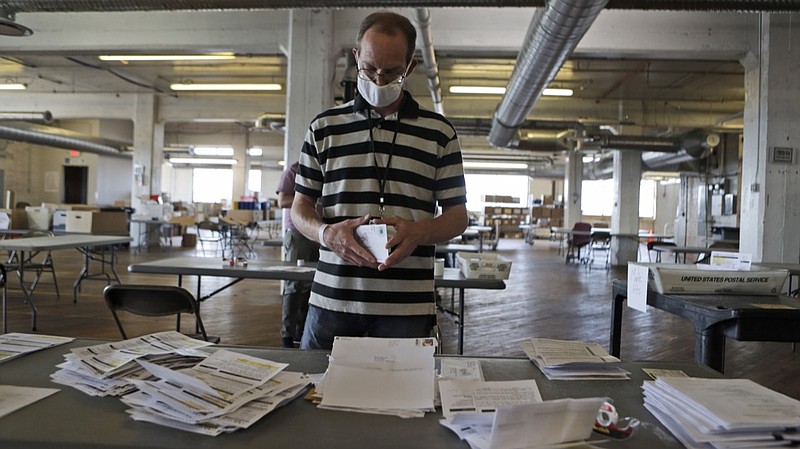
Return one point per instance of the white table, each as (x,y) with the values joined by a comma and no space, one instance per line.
(100,248)
(278,270)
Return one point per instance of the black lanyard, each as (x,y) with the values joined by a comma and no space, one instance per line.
(382,181)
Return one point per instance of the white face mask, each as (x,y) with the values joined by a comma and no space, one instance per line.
(380,96)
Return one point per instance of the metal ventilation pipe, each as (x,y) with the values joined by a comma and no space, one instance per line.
(221,5)
(41,117)
(59,141)
(552,36)
(423,18)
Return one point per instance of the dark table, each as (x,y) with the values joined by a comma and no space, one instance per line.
(70,419)
(716,317)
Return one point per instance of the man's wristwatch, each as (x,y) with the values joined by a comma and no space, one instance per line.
(321,234)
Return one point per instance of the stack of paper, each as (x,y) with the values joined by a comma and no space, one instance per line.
(512,415)
(380,375)
(109,369)
(573,360)
(723,413)
(225,392)
(16,344)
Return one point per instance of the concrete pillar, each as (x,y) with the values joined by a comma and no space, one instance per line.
(308,84)
(625,215)
(573,180)
(239,143)
(770,200)
(148,155)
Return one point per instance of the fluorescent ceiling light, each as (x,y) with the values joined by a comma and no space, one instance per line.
(255,152)
(213,151)
(496,165)
(200,57)
(201,161)
(13,86)
(494,90)
(251,86)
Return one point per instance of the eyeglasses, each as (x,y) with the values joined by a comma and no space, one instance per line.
(388,77)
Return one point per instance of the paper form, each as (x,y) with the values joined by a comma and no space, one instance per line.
(637,286)
(465,396)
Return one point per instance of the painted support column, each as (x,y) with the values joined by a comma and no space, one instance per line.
(308,84)
(239,143)
(770,203)
(625,215)
(148,155)
(573,180)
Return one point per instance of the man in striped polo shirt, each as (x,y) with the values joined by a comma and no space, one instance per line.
(378,158)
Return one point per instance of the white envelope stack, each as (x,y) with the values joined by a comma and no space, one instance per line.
(723,413)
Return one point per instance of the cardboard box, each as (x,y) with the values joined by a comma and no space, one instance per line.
(88,222)
(19,219)
(38,218)
(242,215)
(483,265)
(689,279)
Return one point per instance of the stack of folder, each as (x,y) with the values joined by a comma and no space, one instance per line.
(723,413)
(573,360)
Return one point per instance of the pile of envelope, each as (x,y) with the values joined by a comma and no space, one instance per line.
(393,376)
(723,413)
(573,360)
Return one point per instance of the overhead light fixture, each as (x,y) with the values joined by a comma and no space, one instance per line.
(201,161)
(251,86)
(255,152)
(494,90)
(197,57)
(496,165)
(13,86)
(212,151)
(10,28)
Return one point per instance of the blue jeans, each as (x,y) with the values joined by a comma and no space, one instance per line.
(323,325)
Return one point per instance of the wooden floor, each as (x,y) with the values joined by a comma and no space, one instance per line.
(544,298)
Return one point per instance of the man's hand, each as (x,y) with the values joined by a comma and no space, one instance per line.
(408,235)
(340,238)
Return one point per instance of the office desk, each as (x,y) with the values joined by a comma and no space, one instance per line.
(716,317)
(278,270)
(678,250)
(85,243)
(70,419)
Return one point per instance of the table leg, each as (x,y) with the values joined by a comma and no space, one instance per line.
(460,321)
(615,333)
(25,292)
(709,348)
(4,274)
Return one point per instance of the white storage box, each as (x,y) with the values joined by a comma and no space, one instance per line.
(79,221)
(483,265)
(688,279)
(38,218)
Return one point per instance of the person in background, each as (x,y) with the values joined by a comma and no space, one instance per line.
(294,294)
(381,158)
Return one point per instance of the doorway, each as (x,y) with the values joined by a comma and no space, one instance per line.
(76,185)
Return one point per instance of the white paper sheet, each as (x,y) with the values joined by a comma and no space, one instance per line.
(13,398)
(637,286)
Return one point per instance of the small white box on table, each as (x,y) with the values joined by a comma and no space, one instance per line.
(483,265)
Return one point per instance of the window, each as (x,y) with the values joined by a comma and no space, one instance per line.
(212,185)
(483,187)
(254,180)
(597,198)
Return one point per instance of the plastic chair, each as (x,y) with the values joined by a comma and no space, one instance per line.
(40,266)
(210,232)
(154,301)
(579,240)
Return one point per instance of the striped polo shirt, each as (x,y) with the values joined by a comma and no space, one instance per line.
(344,161)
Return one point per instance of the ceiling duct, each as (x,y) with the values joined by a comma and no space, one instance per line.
(218,5)
(552,36)
(39,117)
(423,18)
(58,138)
